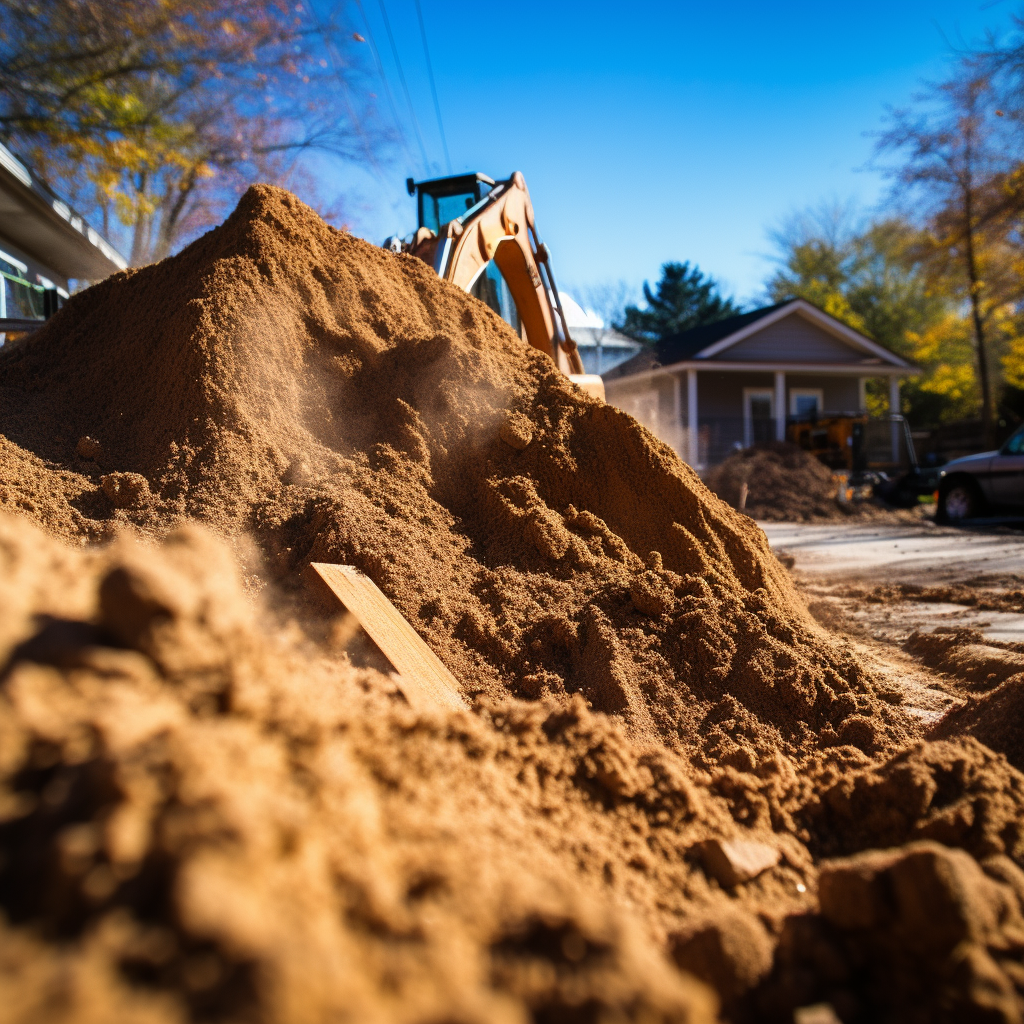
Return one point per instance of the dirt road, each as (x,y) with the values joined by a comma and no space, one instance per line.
(923,553)
(883,586)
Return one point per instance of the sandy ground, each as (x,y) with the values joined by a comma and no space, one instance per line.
(879,584)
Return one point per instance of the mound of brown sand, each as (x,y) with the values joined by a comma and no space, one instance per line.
(284,379)
(782,482)
(203,817)
(207,814)
(995,719)
(972,660)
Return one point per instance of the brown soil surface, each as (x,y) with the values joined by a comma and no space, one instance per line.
(783,484)
(987,599)
(208,813)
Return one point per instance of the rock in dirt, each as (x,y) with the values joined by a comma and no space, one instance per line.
(516,431)
(126,490)
(732,861)
(89,448)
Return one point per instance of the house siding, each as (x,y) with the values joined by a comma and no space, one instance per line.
(721,394)
(791,340)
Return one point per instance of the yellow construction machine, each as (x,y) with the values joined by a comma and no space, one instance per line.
(837,441)
(481,236)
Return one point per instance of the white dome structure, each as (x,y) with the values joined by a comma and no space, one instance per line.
(576,315)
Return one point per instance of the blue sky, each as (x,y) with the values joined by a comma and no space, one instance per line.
(656,131)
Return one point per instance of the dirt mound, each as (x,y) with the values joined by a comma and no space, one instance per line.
(779,481)
(996,719)
(204,819)
(922,933)
(991,676)
(973,661)
(206,816)
(984,598)
(284,379)
(208,813)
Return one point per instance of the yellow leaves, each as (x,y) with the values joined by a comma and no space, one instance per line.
(227,27)
(837,305)
(1013,363)
(956,382)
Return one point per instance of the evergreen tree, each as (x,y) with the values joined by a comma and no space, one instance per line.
(684,298)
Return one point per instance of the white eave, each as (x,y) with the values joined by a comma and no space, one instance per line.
(45,228)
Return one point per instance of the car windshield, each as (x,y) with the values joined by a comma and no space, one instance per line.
(1015,446)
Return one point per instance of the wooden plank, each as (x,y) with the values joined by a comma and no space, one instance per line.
(421,675)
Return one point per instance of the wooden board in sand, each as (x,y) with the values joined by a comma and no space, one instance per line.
(422,677)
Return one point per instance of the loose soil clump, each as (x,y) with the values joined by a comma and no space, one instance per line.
(671,790)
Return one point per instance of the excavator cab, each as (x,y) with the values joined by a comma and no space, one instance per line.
(443,199)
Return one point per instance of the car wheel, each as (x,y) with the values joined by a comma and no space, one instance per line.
(959,502)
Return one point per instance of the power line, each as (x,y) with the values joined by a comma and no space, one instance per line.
(405,85)
(433,86)
(384,80)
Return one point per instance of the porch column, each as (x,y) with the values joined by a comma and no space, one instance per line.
(780,406)
(677,421)
(691,418)
(894,409)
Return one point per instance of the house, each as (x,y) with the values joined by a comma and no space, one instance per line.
(727,385)
(601,348)
(44,245)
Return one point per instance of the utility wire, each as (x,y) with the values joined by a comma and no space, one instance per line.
(384,80)
(405,85)
(433,86)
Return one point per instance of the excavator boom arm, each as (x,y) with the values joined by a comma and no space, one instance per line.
(501,227)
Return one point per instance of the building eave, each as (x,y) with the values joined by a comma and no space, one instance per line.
(47,230)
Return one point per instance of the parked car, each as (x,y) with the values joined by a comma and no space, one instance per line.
(989,482)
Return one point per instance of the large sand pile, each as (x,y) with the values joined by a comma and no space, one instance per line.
(284,379)
(668,773)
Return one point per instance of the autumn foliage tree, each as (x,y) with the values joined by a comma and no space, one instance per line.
(872,277)
(958,170)
(153,114)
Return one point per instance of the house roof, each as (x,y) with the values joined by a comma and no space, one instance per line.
(707,341)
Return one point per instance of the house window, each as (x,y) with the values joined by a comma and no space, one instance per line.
(758,415)
(806,401)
